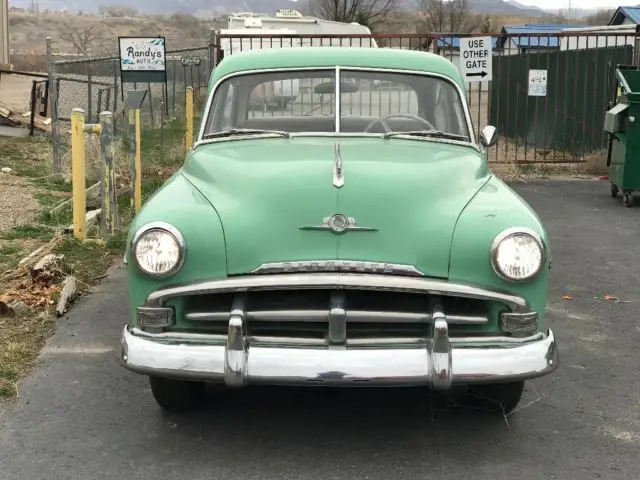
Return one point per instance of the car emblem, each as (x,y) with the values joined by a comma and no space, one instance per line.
(338,224)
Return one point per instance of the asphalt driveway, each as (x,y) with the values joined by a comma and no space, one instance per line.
(81,416)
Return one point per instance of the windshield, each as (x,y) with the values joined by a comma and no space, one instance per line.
(304,101)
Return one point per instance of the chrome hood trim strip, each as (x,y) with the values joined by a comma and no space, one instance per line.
(346,266)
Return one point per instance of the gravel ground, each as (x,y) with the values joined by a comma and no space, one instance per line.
(80,416)
(17,204)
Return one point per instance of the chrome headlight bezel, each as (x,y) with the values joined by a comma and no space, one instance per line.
(167,229)
(517,231)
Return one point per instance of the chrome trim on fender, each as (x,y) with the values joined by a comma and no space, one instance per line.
(438,365)
(354,281)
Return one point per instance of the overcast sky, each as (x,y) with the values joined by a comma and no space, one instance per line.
(557,4)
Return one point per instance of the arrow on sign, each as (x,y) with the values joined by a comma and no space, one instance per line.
(477,74)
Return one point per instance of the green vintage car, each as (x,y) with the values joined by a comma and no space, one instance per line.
(354,238)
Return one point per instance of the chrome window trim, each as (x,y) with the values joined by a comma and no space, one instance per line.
(338,136)
(338,108)
(372,282)
(171,230)
(465,106)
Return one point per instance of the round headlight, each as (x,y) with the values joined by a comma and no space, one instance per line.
(158,249)
(517,254)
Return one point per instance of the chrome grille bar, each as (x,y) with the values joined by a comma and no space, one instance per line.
(354,281)
(351,316)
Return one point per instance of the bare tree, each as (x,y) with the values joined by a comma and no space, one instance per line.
(601,17)
(83,41)
(365,12)
(450,16)
(486,24)
(562,16)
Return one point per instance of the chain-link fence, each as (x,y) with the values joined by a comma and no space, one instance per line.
(93,84)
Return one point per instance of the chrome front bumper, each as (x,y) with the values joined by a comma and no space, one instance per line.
(442,363)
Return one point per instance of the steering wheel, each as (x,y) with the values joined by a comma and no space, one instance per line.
(382,122)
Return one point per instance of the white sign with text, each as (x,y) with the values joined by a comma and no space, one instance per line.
(537,83)
(476,64)
(142,54)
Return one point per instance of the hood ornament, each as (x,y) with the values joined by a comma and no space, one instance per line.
(338,173)
(338,224)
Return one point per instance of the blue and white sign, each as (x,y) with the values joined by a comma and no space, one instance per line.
(142,59)
(537,83)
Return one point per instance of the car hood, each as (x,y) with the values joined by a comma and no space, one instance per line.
(410,193)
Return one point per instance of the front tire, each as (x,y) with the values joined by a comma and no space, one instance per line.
(500,397)
(176,396)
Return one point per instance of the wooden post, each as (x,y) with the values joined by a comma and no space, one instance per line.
(189,119)
(78,173)
(108,183)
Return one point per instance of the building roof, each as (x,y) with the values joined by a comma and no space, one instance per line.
(622,13)
(327,57)
(539,34)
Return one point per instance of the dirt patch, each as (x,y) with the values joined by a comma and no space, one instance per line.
(17,203)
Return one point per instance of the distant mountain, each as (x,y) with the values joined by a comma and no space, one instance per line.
(221,7)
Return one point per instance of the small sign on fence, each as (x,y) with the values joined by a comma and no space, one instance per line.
(537,83)
(190,60)
(143,59)
(476,63)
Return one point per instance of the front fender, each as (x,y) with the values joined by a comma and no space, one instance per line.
(178,203)
(495,208)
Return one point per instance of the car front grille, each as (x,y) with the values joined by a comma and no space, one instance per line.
(306,316)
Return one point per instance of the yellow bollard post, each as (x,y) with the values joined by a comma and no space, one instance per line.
(135,159)
(138,189)
(78,173)
(189,119)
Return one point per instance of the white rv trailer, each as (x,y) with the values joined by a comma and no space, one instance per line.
(244,28)
(301,25)
(603,36)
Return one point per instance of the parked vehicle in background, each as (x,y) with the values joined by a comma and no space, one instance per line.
(351,240)
(244,30)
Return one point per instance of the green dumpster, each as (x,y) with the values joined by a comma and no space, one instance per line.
(622,123)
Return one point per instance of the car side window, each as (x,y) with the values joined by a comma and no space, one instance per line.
(227,120)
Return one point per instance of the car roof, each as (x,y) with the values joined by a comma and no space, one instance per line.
(299,57)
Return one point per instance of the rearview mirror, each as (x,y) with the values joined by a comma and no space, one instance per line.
(488,136)
(329,87)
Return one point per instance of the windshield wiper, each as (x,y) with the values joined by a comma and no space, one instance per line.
(428,133)
(245,131)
